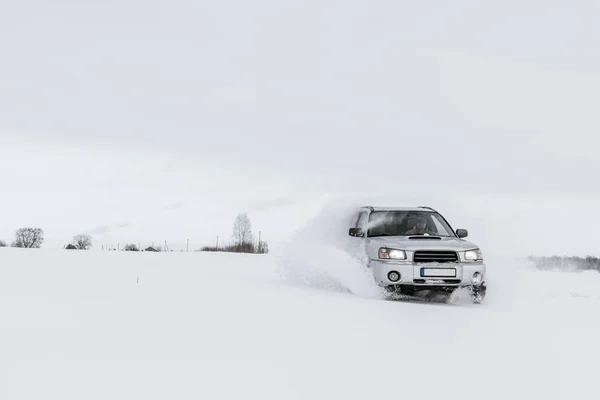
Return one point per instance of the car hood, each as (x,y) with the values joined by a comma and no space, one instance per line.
(406,243)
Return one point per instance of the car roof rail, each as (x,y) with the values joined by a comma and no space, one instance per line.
(427,208)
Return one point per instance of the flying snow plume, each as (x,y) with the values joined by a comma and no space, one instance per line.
(322,255)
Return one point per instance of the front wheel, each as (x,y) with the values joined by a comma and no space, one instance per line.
(478,293)
(399,292)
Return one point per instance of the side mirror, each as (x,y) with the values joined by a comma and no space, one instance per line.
(462,233)
(356,232)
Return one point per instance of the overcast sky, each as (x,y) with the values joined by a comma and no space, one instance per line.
(231,105)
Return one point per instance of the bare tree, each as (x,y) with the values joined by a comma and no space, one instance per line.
(29,238)
(131,247)
(82,242)
(242,230)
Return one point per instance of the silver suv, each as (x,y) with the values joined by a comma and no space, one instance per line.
(410,249)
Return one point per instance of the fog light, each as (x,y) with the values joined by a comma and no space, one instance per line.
(477,278)
(394,276)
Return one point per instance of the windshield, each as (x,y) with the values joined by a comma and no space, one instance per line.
(407,223)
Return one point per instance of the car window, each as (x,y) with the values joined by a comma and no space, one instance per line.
(354,220)
(440,228)
(362,220)
(404,223)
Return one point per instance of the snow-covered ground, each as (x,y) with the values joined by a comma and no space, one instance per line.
(158,122)
(120,325)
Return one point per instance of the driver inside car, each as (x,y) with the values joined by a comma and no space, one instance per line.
(419,228)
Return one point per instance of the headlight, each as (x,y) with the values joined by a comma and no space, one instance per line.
(473,255)
(392,254)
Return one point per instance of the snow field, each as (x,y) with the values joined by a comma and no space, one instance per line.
(198,325)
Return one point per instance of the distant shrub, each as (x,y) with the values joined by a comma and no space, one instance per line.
(262,248)
(562,263)
(2,243)
(239,248)
(131,247)
(209,248)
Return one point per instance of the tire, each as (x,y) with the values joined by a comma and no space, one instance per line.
(401,293)
(409,291)
(478,293)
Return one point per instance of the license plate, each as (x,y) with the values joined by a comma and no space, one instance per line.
(446,272)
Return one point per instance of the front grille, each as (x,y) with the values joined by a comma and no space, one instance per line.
(435,256)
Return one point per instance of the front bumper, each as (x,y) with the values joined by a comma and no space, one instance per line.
(413,274)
